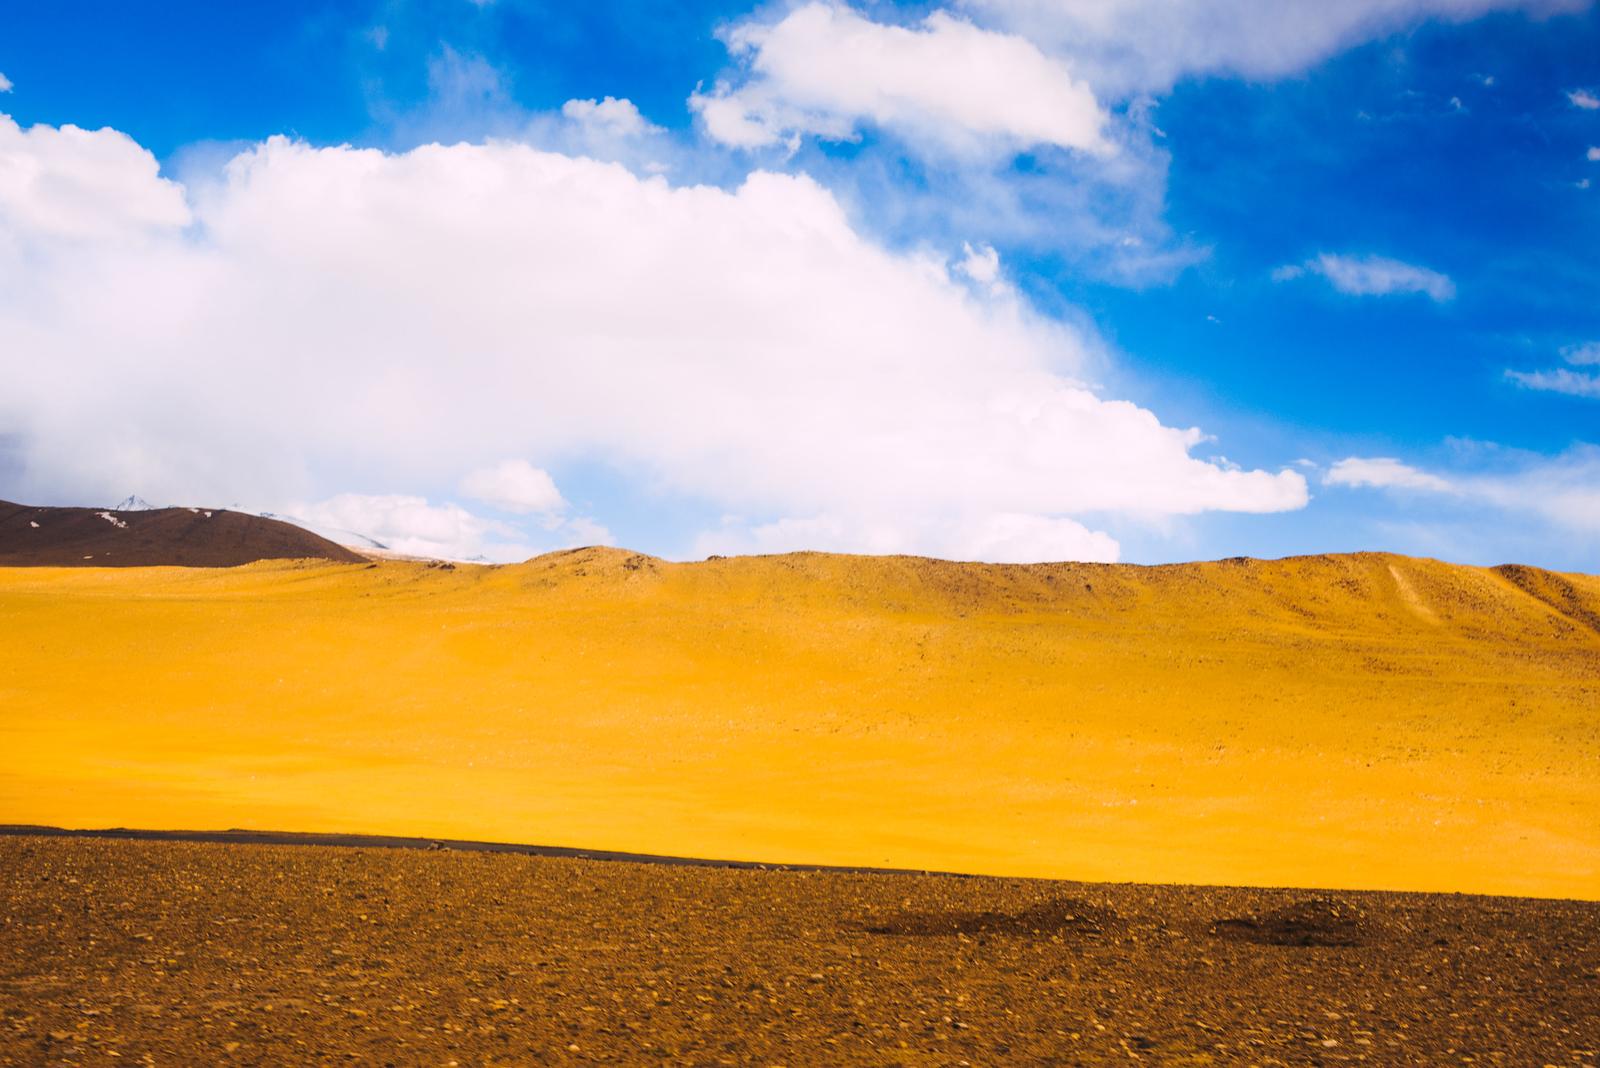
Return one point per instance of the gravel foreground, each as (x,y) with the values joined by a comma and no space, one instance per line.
(152,952)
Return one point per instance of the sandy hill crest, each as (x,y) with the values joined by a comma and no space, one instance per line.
(151,537)
(1381,592)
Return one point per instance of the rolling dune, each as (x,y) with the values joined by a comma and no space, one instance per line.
(1366,721)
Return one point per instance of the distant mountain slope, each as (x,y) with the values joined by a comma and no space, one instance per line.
(143,537)
(1353,721)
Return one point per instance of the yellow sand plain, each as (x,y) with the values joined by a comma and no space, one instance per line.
(1363,721)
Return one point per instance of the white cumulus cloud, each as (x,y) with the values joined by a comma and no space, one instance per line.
(5,84)
(611,115)
(825,69)
(1584,98)
(68,183)
(344,324)
(410,525)
(1016,73)
(514,486)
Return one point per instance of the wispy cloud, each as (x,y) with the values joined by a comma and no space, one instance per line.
(1366,276)
(1561,490)
(1131,46)
(1383,472)
(1560,379)
(5,84)
(1585,99)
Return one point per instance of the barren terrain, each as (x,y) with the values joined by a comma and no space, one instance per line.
(1364,721)
(119,952)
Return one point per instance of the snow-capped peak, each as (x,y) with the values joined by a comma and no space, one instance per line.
(134,503)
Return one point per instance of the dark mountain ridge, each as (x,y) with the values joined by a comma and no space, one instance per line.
(33,536)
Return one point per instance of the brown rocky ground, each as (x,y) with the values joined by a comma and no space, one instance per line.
(198,953)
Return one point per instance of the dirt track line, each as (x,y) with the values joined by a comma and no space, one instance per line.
(379,841)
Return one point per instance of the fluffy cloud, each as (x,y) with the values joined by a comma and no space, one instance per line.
(1586,354)
(1372,276)
(410,526)
(1028,72)
(514,486)
(1123,47)
(67,183)
(962,101)
(981,264)
(1563,491)
(1583,98)
(335,319)
(5,84)
(965,88)
(824,69)
(617,117)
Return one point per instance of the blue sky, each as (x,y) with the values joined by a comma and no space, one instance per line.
(1357,251)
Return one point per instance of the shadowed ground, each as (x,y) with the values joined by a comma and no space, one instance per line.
(182,952)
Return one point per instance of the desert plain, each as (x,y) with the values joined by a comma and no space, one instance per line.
(1357,722)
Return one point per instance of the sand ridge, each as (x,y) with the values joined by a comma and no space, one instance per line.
(1240,722)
